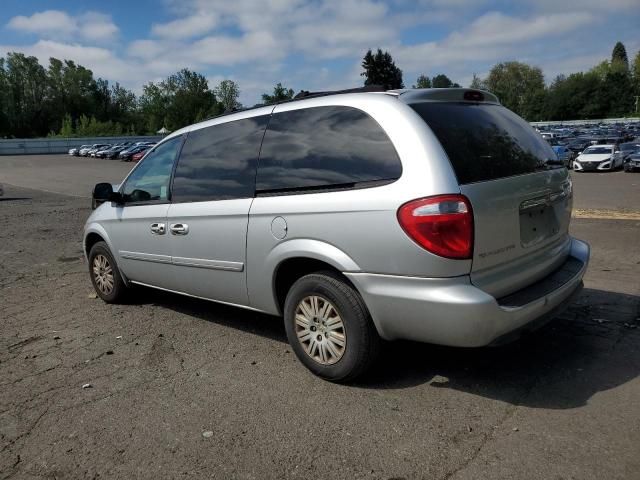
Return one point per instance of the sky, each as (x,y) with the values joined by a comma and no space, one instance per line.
(315,44)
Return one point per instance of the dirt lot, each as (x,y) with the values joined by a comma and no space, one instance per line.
(560,404)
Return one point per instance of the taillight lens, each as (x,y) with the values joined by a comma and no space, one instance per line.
(442,225)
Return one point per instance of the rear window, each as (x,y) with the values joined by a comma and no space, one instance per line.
(485,141)
(598,151)
(325,147)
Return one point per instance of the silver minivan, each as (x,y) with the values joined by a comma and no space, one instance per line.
(434,215)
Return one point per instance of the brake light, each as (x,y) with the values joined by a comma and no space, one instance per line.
(473,96)
(442,225)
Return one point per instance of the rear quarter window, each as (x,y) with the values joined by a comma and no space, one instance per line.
(485,141)
(324,147)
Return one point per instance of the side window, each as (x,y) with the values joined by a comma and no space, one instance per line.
(149,182)
(219,162)
(324,147)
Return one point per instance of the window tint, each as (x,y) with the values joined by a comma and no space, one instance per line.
(324,146)
(485,141)
(219,162)
(149,182)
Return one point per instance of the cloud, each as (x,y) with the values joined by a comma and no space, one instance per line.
(103,62)
(187,27)
(50,22)
(56,24)
(490,38)
(319,44)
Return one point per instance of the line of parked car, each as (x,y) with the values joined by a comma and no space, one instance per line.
(125,151)
(596,147)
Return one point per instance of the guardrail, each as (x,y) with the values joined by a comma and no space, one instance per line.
(34,146)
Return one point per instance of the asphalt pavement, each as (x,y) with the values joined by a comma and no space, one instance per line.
(177,387)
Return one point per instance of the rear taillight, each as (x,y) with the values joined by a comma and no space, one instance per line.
(442,225)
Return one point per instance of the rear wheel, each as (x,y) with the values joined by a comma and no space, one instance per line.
(329,327)
(105,276)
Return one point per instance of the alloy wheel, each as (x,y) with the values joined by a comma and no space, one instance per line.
(320,330)
(103,274)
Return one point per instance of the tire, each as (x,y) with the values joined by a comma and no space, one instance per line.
(347,319)
(102,268)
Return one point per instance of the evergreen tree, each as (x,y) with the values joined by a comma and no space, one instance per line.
(380,69)
(619,54)
(280,94)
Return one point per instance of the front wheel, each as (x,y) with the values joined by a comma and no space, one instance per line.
(105,276)
(329,327)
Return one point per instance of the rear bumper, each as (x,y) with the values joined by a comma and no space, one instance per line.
(452,311)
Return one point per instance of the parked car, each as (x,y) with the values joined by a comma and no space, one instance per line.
(75,151)
(111,152)
(91,152)
(564,154)
(126,155)
(598,158)
(578,145)
(94,152)
(633,162)
(83,151)
(628,148)
(356,217)
(136,157)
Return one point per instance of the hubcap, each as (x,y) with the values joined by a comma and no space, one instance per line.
(103,274)
(320,330)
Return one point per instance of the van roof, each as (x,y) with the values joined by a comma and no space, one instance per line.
(408,95)
(413,95)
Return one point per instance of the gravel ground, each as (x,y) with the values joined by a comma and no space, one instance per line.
(186,388)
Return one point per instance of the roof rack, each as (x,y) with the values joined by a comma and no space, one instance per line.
(302,94)
(367,88)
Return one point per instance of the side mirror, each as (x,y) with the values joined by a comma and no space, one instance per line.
(103,192)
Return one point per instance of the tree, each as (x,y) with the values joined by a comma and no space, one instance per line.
(227,94)
(181,99)
(519,87)
(619,54)
(442,81)
(477,83)
(280,94)
(635,75)
(380,69)
(422,82)
(26,82)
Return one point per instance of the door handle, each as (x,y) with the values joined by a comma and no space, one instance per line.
(158,228)
(179,228)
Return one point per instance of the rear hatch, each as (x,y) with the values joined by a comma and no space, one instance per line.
(520,193)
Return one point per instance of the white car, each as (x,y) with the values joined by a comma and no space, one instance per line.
(598,158)
(75,151)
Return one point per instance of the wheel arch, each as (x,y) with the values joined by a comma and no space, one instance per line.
(292,260)
(95,233)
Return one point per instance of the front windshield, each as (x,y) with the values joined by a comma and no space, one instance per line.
(597,151)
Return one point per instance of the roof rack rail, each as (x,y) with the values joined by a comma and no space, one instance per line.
(302,94)
(367,88)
